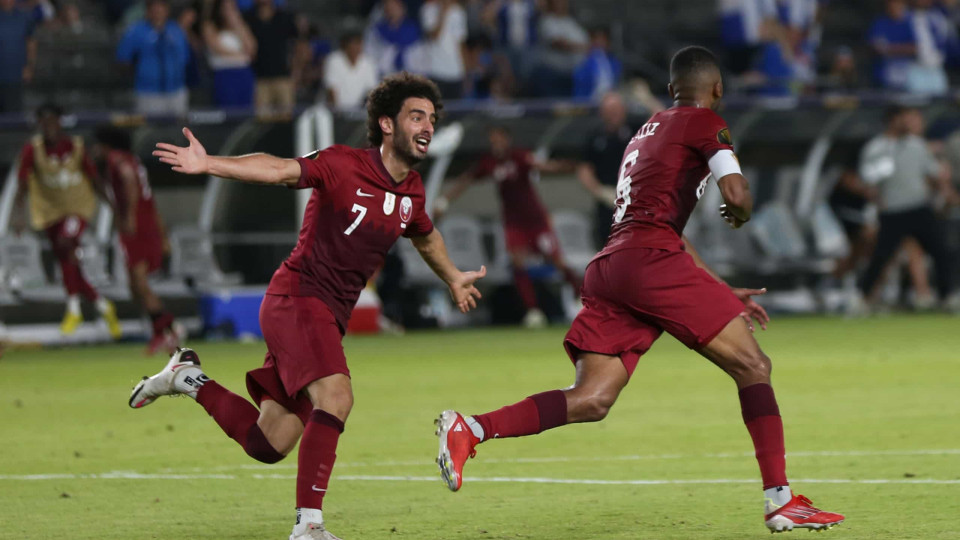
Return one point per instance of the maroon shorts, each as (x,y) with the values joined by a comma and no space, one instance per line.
(146,244)
(66,232)
(540,240)
(631,296)
(303,345)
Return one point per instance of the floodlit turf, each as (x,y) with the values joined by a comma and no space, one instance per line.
(863,401)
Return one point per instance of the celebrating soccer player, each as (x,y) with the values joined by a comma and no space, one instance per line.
(140,227)
(648,279)
(363,200)
(526,224)
(63,184)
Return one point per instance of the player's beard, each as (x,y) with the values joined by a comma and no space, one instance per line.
(405,147)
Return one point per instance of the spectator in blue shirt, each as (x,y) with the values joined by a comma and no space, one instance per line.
(600,72)
(18,51)
(937,43)
(895,44)
(246,5)
(388,38)
(160,51)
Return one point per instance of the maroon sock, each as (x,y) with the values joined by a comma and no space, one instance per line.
(762,417)
(524,285)
(533,415)
(570,277)
(73,280)
(318,451)
(238,419)
(161,321)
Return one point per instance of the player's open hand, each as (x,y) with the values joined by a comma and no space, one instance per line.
(731,219)
(752,311)
(189,160)
(464,294)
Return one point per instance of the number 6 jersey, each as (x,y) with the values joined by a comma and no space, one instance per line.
(662,176)
(355,214)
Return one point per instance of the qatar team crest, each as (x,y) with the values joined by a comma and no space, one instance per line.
(406,209)
(389,202)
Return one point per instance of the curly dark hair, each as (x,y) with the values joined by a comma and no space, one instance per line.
(387,99)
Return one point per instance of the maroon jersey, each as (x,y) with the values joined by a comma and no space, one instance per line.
(355,214)
(116,159)
(514,176)
(662,176)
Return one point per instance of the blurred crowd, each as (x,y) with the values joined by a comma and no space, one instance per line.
(773,46)
(264,54)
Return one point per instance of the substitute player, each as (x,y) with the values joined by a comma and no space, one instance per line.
(62,183)
(526,223)
(362,201)
(648,279)
(140,229)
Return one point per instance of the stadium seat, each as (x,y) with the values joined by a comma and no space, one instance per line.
(21,264)
(464,239)
(574,233)
(192,259)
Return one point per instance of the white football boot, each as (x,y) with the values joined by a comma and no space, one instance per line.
(313,531)
(181,375)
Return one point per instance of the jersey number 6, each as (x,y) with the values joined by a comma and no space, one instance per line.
(363,211)
(624,185)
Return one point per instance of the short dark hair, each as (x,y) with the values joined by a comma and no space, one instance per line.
(113,137)
(893,111)
(49,107)
(388,97)
(690,62)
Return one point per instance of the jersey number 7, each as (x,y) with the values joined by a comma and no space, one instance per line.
(356,223)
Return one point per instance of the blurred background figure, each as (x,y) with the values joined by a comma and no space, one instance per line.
(563,44)
(600,72)
(140,228)
(906,175)
(19,55)
(62,183)
(274,30)
(444,24)
(158,50)
(742,25)
(348,74)
(231,48)
(894,43)
(388,38)
(526,224)
(936,40)
(600,169)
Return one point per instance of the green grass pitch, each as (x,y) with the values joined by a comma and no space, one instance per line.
(871,408)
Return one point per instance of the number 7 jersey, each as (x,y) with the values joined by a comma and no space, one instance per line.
(355,214)
(662,176)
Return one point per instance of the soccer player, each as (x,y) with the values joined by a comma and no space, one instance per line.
(648,279)
(362,201)
(140,228)
(526,223)
(63,185)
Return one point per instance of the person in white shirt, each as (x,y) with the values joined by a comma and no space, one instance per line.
(444,24)
(349,74)
(564,44)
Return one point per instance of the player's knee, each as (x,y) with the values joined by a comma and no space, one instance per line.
(754,367)
(596,407)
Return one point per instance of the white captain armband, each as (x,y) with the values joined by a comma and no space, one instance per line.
(723,163)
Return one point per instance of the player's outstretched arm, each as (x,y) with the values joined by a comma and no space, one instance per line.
(257,168)
(434,252)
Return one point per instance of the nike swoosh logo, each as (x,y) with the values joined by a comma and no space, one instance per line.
(362,194)
(315,488)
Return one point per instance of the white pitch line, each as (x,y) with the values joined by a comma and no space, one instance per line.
(579,459)
(130,475)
